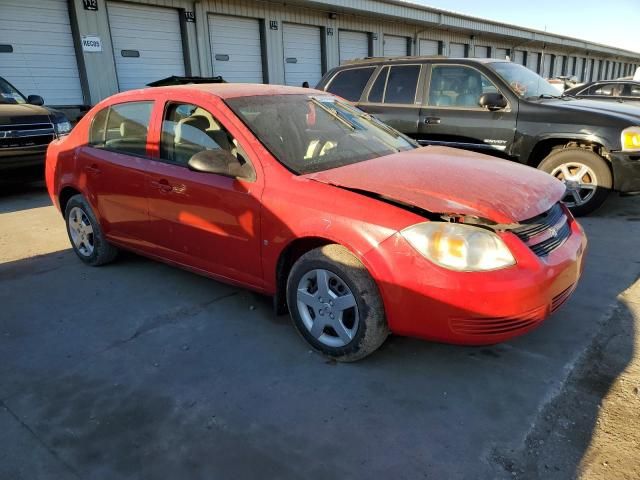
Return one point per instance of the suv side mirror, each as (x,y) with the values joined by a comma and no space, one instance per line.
(219,161)
(35,100)
(492,101)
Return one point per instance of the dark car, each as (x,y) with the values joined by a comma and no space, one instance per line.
(612,90)
(26,128)
(505,109)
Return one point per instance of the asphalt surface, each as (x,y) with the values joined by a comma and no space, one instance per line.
(140,370)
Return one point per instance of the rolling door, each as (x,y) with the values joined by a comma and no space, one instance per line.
(38,55)
(395,46)
(546,69)
(533,60)
(457,50)
(501,53)
(236,48)
(518,57)
(147,43)
(481,51)
(429,47)
(302,54)
(580,69)
(353,45)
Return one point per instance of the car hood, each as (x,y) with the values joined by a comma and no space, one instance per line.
(25,113)
(450,181)
(628,111)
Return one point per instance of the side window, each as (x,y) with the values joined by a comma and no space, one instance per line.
(349,84)
(602,90)
(189,129)
(402,84)
(377,90)
(635,91)
(122,128)
(458,86)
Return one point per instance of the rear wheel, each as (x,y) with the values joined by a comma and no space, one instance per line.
(585,174)
(335,304)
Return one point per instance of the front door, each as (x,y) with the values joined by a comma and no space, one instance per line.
(204,220)
(452,115)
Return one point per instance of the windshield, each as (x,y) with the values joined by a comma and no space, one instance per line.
(310,133)
(8,94)
(524,82)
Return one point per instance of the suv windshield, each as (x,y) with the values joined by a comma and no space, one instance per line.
(309,133)
(524,82)
(8,94)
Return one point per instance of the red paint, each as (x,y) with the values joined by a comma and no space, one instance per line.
(236,230)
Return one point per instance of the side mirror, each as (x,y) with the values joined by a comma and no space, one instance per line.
(218,161)
(35,100)
(493,101)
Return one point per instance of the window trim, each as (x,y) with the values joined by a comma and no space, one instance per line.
(366,85)
(417,101)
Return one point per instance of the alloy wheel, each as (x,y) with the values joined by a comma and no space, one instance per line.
(81,231)
(580,180)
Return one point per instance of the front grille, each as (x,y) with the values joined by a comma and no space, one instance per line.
(546,232)
(26,135)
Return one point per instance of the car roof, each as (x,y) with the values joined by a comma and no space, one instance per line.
(418,58)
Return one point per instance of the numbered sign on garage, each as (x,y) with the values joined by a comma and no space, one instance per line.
(302,54)
(38,56)
(353,45)
(236,48)
(147,43)
(395,46)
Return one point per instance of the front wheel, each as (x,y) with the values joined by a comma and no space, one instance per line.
(335,304)
(586,175)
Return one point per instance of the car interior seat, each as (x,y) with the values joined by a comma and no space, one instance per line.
(471,92)
(437,96)
(132,138)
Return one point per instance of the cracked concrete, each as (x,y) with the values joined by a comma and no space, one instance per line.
(140,370)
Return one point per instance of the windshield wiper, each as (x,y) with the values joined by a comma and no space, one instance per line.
(334,113)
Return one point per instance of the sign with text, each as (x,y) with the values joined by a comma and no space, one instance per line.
(91,5)
(91,43)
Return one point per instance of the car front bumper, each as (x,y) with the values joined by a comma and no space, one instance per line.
(474,308)
(626,171)
(22,158)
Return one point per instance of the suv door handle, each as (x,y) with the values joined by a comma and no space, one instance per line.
(162,185)
(432,121)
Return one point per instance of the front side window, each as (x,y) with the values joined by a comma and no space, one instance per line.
(309,133)
(9,94)
(458,86)
(122,128)
(524,82)
(189,129)
(607,90)
(349,84)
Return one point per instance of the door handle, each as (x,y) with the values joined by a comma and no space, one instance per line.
(162,185)
(432,121)
(93,169)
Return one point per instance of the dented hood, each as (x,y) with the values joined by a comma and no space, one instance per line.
(447,180)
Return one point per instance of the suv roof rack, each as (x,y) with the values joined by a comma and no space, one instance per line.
(387,59)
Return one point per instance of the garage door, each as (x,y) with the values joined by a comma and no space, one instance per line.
(546,69)
(457,50)
(353,45)
(429,47)
(395,46)
(38,56)
(518,57)
(147,44)
(532,61)
(236,48)
(580,69)
(302,54)
(501,53)
(481,51)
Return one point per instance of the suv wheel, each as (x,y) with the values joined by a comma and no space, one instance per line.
(335,304)
(586,175)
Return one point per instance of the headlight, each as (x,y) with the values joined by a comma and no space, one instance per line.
(630,139)
(459,247)
(62,127)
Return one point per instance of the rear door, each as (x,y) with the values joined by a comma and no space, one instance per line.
(395,97)
(452,115)
(112,166)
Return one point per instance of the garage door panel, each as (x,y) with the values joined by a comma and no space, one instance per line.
(43,60)
(155,33)
(395,46)
(429,47)
(456,50)
(353,45)
(236,48)
(302,43)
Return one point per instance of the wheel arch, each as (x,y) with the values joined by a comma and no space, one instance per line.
(545,145)
(65,195)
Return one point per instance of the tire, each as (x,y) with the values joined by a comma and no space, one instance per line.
(87,240)
(344,334)
(590,179)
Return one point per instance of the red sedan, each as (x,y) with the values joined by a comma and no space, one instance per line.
(350,225)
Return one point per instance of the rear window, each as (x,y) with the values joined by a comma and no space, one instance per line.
(349,84)
(122,128)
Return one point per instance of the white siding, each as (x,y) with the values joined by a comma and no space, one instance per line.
(302,54)
(395,46)
(353,45)
(154,32)
(236,50)
(43,61)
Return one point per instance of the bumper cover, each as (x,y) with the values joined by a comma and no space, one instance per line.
(626,171)
(22,158)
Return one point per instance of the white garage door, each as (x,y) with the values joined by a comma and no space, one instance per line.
(532,61)
(236,48)
(580,69)
(353,45)
(302,54)
(546,66)
(481,51)
(147,44)
(395,46)
(518,57)
(457,50)
(501,53)
(38,56)
(429,47)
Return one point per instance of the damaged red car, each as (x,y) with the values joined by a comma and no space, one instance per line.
(350,226)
